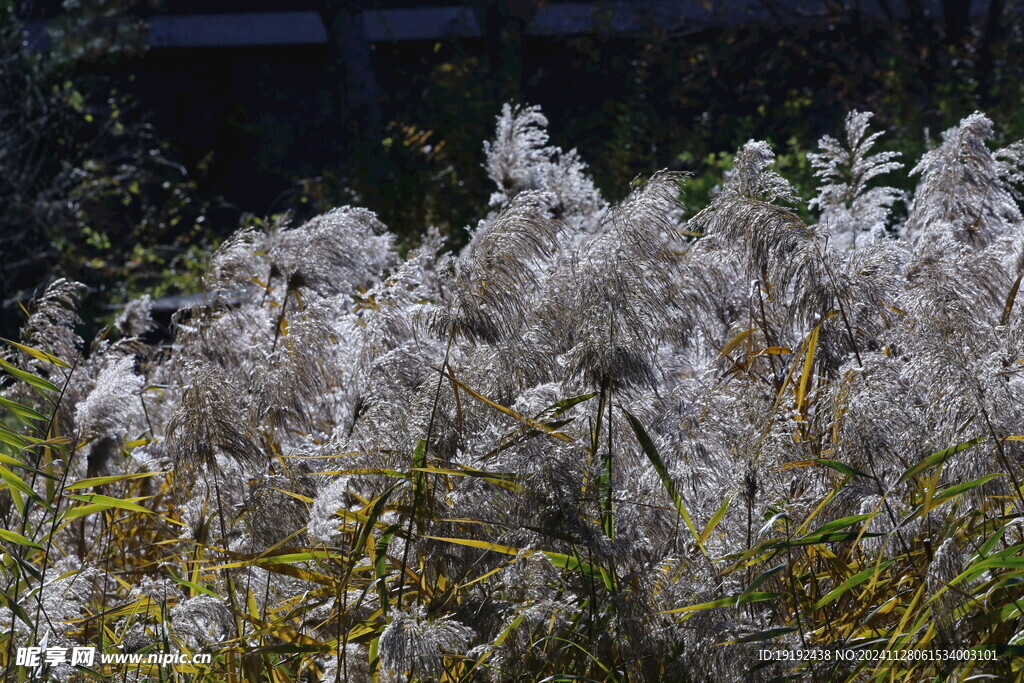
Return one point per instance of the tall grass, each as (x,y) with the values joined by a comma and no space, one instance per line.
(600,443)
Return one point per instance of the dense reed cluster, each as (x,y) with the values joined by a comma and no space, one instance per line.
(602,442)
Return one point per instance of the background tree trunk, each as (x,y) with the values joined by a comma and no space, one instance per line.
(504,25)
(357,94)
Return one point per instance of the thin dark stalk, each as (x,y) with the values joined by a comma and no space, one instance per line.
(842,310)
(280,317)
(55,504)
(999,449)
(426,450)
(342,665)
(608,516)
(229,583)
(792,584)
(776,375)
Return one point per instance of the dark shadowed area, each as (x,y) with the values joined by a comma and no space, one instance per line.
(137,134)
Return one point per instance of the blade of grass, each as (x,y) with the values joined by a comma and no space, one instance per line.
(659,466)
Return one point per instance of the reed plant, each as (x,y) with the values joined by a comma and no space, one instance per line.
(602,442)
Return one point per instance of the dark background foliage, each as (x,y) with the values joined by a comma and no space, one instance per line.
(121,163)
